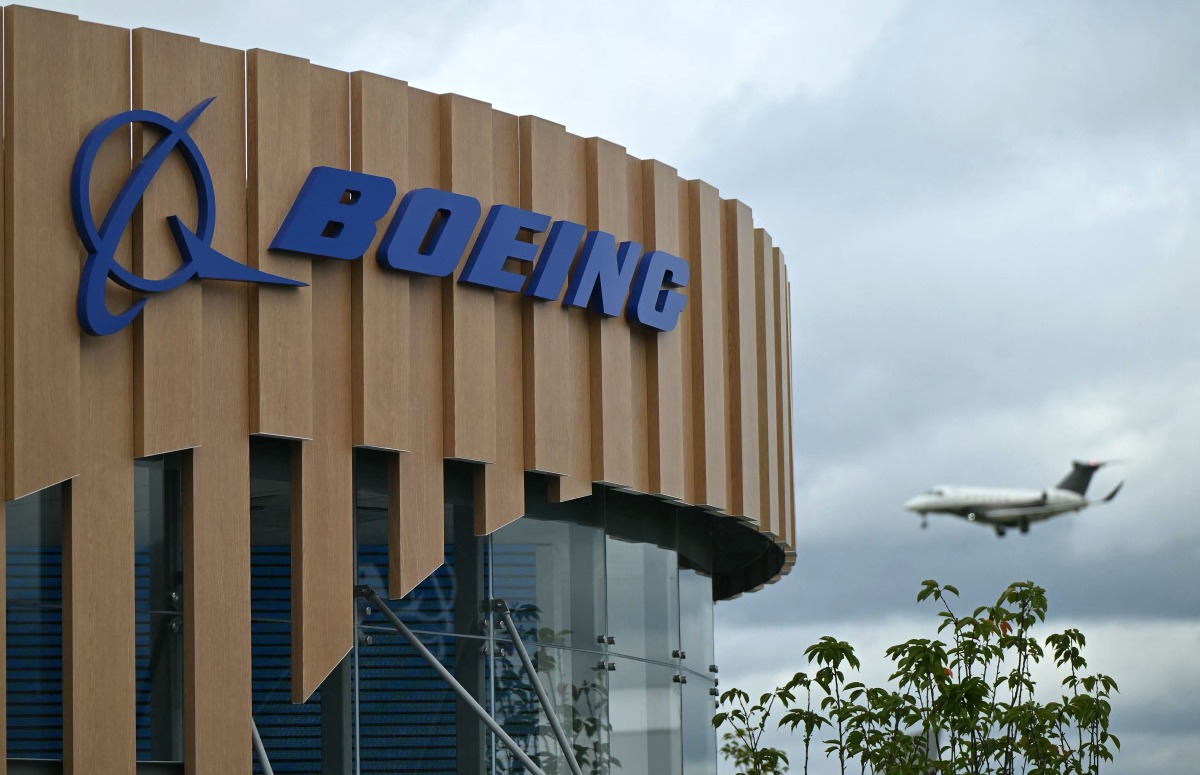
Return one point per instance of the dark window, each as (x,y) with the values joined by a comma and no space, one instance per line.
(34,638)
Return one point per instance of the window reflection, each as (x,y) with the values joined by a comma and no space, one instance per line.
(644,713)
(285,728)
(595,587)
(158,575)
(577,683)
(549,567)
(407,719)
(34,621)
(698,734)
(643,578)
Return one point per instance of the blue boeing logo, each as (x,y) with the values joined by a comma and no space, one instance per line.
(336,216)
(195,247)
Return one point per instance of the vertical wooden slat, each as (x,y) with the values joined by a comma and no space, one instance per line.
(381,344)
(789,427)
(323,526)
(169,77)
(706,301)
(639,339)
(741,364)
(4,643)
(468,312)
(557,347)
(768,439)
(3,450)
(664,353)
(500,486)
(98,540)
(416,531)
(216,519)
(612,386)
(781,391)
(687,391)
(41,250)
(281,386)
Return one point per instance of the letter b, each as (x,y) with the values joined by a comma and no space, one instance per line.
(335,213)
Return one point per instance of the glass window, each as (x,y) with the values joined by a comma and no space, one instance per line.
(34,620)
(549,568)
(643,578)
(158,575)
(695,594)
(407,718)
(290,733)
(577,684)
(699,735)
(644,714)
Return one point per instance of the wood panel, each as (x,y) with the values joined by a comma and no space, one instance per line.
(323,526)
(281,374)
(639,342)
(500,486)
(98,539)
(557,341)
(610,351)
(686,336)
(707,311)
(216,519)
(468,311)
(169,77)
(3,453)
(781,393)
(741,361)
(42,255)
(416,532)
(4,644)
(664,352)
(381,354)
(789,430)
(768,439)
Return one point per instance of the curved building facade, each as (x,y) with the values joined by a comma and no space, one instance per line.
(354,428)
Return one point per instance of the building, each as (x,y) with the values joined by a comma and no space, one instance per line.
(267,364)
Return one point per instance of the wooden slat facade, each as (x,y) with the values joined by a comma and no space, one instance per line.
(98,531)
(426,369)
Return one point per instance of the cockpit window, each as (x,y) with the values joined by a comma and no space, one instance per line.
(934,491)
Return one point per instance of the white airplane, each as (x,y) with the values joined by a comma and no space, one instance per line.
(1005,507)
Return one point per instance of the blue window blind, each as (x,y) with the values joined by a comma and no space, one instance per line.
(35,652)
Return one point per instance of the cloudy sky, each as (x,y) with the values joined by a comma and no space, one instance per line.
(992,218)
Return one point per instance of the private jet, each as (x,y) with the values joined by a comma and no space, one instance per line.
(1004,507)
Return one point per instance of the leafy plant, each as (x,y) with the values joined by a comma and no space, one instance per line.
(965,704)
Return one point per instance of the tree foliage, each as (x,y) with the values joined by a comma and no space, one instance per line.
(963,702)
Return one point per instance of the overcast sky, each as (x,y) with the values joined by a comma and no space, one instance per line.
(991,214)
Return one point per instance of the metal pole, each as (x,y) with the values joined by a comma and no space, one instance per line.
(260,750)
(500,607)
(364,591)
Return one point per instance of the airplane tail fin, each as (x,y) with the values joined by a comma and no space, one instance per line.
(1081,475)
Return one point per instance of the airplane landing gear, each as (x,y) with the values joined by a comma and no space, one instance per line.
(1000,531)
(1024,526)
(924,522)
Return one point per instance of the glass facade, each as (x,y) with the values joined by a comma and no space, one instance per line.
(595,588)
(611,596)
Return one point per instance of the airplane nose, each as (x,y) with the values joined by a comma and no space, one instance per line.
(913,504)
